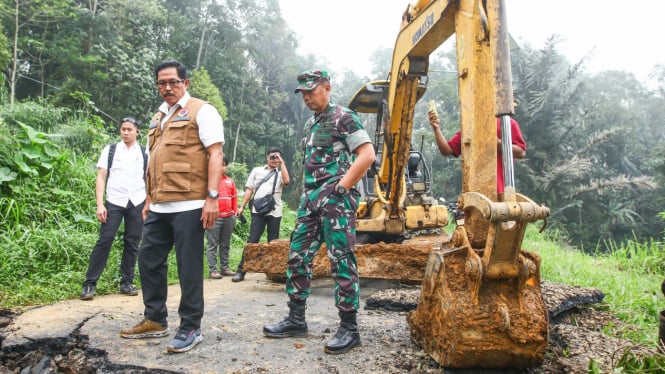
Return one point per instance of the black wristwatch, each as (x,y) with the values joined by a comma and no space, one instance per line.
(340,190)
(213,194)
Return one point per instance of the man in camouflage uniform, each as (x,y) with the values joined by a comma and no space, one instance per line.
(338,153)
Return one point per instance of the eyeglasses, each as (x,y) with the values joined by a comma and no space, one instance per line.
(131,120)
(172,83)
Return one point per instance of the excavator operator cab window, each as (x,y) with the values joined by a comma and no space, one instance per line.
(412,166)
(367,181)
(415,181)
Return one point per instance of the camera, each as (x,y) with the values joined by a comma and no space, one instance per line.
(273,157)
(242,219)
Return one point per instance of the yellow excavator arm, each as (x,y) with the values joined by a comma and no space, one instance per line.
(480,303)
(391,209)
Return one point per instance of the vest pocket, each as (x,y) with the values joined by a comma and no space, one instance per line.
(176,177)
(176,133)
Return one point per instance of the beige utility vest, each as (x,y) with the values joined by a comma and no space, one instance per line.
(178,167)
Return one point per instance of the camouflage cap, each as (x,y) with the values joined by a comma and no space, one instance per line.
(308,80)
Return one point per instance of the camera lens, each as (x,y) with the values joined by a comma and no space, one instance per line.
(273,157)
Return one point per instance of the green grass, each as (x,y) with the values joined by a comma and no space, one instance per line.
(631,288)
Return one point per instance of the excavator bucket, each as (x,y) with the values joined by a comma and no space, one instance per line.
(491,329)
(484,307)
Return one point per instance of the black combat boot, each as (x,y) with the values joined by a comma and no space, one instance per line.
(293,326)
(347,335)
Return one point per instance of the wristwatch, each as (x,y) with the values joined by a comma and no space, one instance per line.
(213,194)
(340,190)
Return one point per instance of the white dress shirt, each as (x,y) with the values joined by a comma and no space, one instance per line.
(125,179)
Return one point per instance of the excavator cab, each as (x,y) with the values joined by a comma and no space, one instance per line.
(397,203)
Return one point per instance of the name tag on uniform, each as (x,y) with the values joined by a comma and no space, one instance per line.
(185,118)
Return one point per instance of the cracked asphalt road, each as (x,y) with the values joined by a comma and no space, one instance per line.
(232,328)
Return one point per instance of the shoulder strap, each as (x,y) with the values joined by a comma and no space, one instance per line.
(110,160)
(274,183)
(145,160)
(263,180)
(111,153)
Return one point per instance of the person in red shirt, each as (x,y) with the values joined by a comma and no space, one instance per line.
(219,236)
(454,145)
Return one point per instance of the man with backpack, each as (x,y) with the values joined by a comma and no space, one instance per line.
(121,174)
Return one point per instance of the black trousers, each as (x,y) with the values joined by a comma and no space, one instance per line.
(132,235)
(256,228)
(161,231)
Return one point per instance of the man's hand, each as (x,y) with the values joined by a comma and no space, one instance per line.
(101,213)
(146,207)
(434,120)
(210,213)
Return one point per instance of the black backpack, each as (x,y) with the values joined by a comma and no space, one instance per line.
(112,153)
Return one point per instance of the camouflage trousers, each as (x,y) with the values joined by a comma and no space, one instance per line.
(325,217)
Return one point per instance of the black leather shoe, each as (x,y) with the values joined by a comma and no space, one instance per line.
(287,328)
(88,292)
(292,326)
(239,277)
(347,337)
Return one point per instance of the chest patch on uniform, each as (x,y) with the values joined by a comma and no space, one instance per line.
(323,135)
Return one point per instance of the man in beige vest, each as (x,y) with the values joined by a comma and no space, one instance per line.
(185,141)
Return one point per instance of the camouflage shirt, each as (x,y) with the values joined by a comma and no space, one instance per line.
(331,138)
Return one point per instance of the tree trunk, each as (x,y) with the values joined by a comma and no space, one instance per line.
(12,73)
(240,105)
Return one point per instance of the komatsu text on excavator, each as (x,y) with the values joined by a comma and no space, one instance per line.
(480,303)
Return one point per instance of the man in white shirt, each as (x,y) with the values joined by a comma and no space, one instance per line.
(124,184)
(264,180)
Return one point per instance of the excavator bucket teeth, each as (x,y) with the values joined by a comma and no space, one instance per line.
(404,262)
(464,321)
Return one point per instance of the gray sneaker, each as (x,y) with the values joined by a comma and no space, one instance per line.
(185,340)
(128,289)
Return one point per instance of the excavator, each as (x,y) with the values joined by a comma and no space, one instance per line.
(480,304)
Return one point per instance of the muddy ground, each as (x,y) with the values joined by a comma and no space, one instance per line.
(82,336)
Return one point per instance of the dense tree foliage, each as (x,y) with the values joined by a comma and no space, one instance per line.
(72,68)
